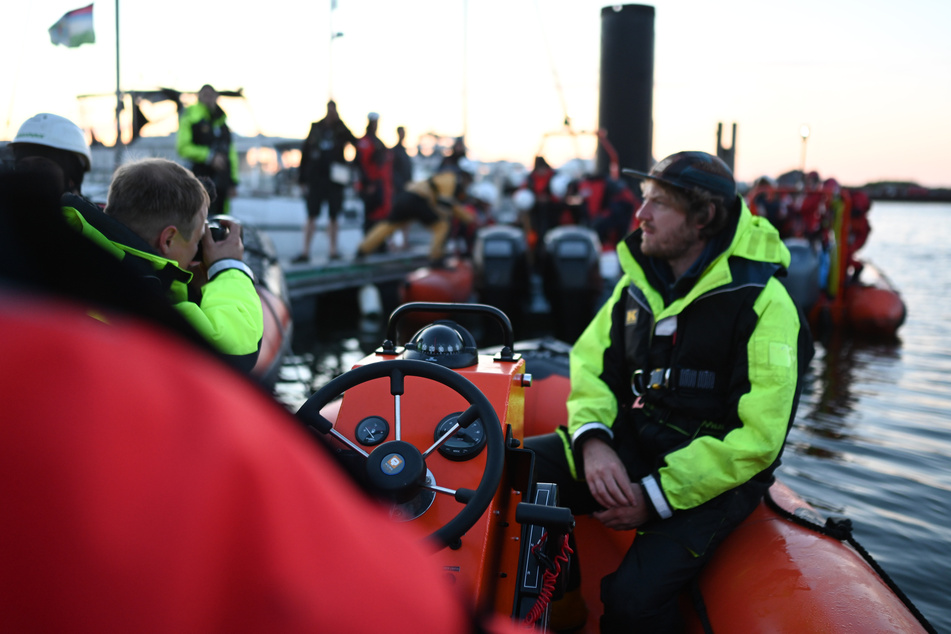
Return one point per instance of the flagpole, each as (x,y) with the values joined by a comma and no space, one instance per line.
(119,145)
(465,69)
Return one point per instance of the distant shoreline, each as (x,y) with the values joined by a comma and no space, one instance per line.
(939,196)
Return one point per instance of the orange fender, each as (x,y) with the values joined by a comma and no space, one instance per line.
(277,325)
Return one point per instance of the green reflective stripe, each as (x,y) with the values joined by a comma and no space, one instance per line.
(591,399)
(230,315)
(569,455)
(77,222)
(184,142)
(634,274)
(708,466)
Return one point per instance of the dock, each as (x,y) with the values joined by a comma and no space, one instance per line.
(315,278)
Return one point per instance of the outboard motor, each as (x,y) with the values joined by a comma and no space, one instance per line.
(500,256)
(572,278)
(802,279)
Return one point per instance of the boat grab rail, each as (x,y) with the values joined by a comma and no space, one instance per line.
(508,336)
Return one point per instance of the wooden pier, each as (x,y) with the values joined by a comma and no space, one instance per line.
(316,278)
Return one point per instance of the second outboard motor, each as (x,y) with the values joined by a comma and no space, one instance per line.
(802,279)
(500,257)
(572,278)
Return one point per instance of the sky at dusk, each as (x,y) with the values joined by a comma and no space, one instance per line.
(870,79)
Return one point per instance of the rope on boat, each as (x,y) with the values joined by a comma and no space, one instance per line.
(552,570)
(841,530)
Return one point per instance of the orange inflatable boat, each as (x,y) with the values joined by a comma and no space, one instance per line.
(433,427)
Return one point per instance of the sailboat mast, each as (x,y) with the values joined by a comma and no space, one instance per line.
(119,145)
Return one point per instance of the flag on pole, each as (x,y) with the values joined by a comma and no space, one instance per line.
(74,28)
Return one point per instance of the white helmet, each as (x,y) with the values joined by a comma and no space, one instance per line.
(467,166)
(485,192)
(559,184)
(524,199)
(57,132)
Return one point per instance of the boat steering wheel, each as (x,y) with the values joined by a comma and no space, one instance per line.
(396,469)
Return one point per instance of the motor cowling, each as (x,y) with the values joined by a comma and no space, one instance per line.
(572,278)
(802,276)
(500,257)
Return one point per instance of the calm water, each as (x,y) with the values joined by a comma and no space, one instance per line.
(873,435)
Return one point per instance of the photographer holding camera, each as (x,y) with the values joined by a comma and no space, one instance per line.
(156,219)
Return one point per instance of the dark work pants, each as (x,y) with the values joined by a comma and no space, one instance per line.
(321,190)
(642,594)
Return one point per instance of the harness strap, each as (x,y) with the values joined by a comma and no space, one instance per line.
(672,379)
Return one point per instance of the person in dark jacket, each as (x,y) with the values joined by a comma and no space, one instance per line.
(324,174)
(683,388)
(402,164)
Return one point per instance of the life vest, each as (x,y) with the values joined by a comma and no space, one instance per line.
(201,134)
(682,370)
(376,168)
(540,183)
(591,191)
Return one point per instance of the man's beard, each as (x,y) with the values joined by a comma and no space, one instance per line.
(671,246)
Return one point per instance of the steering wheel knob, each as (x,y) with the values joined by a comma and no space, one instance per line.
(396,470)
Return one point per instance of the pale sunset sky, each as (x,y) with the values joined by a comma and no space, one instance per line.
(870,78)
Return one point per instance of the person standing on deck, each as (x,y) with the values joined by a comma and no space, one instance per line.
(324,174)
(683,389)
(376,180)
(402,164)
(205,140)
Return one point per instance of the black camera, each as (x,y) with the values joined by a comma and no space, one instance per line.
(218,232)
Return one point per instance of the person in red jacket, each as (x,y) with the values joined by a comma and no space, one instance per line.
(147,487)
(376,175)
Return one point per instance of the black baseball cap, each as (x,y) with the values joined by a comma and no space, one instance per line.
(687,170)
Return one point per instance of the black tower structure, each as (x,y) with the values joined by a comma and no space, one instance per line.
(627,84)
(727,154)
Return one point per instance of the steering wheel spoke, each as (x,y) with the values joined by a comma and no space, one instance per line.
(442,439)
(435,488)
(336,434)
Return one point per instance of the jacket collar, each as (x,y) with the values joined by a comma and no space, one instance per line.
(746,236)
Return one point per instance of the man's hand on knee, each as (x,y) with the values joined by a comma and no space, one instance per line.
(624,518)
(606,476)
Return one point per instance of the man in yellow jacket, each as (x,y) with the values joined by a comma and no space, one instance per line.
(683,388)
(155,220)
(205,140)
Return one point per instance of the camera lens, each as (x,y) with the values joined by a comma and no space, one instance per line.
(218,233)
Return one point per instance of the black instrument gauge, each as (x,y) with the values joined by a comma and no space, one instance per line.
(465,444)
(372,430)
